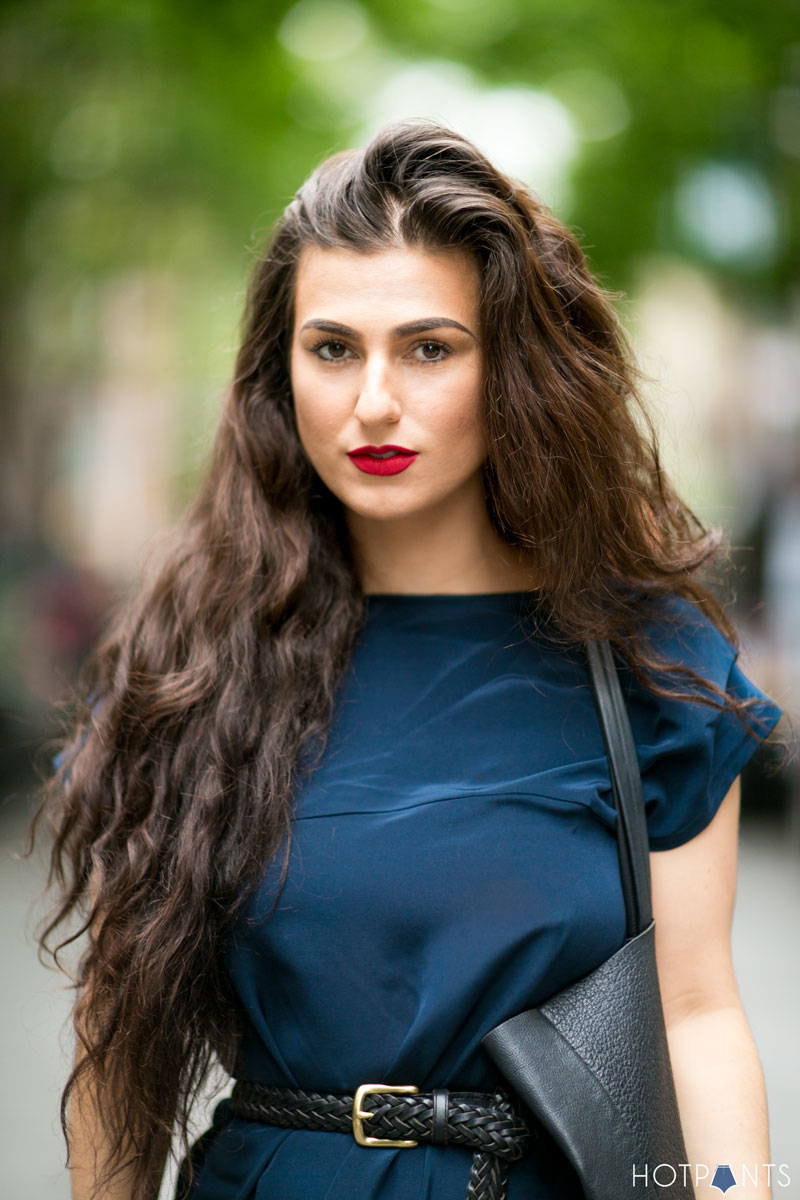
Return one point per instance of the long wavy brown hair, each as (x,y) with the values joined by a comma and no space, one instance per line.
(212,690)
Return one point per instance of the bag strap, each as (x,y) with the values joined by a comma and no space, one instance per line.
(626,785)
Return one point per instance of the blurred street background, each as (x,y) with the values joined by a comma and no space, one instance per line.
(147,148)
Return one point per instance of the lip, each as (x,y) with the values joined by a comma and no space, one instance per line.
(363,458)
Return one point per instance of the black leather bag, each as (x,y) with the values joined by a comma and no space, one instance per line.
(592,1062)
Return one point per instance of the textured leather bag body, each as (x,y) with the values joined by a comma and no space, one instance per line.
(592,1062)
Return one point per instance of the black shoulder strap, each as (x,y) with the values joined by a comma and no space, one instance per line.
(626,784)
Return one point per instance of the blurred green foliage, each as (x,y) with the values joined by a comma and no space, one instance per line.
(149,131)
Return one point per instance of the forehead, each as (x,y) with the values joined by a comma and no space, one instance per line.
(399,284)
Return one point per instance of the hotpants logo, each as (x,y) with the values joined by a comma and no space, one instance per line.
(722,1175)
(723,1178)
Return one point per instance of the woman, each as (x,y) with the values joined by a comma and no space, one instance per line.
(341,804)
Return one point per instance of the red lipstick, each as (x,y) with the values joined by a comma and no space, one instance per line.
(382,460)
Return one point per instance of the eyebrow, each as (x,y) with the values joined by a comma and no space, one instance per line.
(424,325)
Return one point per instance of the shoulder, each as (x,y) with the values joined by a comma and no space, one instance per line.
(682,634)
(691,747)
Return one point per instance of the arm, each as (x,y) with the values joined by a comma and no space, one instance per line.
(89,1151)
(89,1145)
(718,1075)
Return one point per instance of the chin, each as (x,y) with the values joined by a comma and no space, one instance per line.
(385,508)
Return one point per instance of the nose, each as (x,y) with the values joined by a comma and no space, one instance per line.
(376,400)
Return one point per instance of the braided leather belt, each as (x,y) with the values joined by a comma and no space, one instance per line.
(401,1116)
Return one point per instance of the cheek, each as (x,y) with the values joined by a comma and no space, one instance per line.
(459,414)
(316,419)
(315,409)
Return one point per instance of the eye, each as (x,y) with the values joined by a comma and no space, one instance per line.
(332,350)
(439,352)
(334,346)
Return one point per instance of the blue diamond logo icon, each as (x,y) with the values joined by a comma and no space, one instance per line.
(723,1178)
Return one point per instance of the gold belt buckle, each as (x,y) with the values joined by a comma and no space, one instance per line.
(359,1116)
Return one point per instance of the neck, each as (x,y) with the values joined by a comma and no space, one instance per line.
(454,549)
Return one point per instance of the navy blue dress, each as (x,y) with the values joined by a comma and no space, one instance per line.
(453,863)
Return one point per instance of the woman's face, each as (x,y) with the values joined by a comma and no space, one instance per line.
(385,353)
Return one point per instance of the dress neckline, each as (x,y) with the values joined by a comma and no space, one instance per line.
(441,598)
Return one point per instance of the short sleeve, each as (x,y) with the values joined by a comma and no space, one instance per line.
(690,753)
